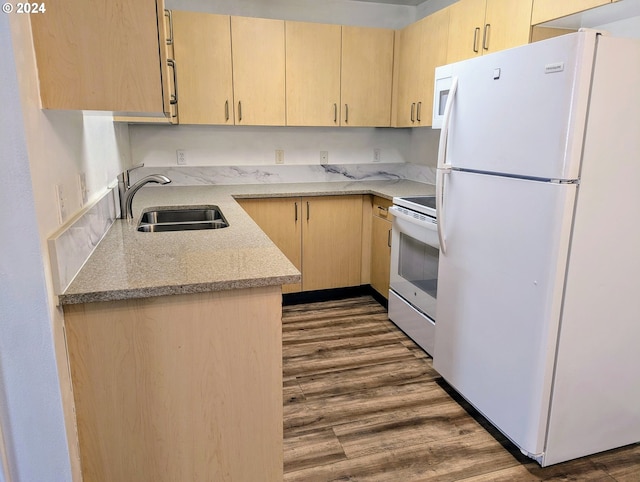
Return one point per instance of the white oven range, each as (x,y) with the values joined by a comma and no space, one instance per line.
(414,268)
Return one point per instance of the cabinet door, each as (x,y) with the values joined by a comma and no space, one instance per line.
(313,74)
(545,10)
(507,24)
(466,25)
(380,247)
(367,74)
(331,242)
(423,47)
(99,55)
(433,53)
(202,46)
(258,55)
(483,26)
(281,220)
(407,76)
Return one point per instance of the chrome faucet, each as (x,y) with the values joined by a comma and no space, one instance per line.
(127,191)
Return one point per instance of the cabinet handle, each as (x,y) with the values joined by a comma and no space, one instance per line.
(174,96)
(307,210)
(383,211)
(226,110)
(295,208)
(413,108)
(485,37)
(418,111)
(240,111)
(389,238)
(476,37)
(169,15)
(346,113)
(335,113)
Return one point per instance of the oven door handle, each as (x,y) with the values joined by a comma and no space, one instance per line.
(429,224)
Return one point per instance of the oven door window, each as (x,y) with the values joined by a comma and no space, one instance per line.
(416,279)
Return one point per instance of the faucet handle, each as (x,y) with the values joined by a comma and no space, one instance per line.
(135,167)
(125,175)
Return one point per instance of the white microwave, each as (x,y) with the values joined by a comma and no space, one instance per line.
(444,76)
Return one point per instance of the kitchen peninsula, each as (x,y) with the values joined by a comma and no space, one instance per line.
(174,340)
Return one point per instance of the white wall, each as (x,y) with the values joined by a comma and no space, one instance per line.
(59,146)
(251,146)
(629,28)
(31,411)
(431,6)
(424,146)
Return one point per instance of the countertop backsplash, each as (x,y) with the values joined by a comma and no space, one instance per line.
(71,246)
(266,174)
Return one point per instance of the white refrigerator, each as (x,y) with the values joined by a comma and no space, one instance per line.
(539,213)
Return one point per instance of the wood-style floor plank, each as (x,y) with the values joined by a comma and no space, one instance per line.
(312,450)
(584,471)
(362,402)
(404,371)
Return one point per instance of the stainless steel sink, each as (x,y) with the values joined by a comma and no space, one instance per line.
(188,218)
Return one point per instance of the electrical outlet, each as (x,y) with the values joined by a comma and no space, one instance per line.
(181,157)
(324,157)
(279,156)
(376,154)
(60,203)
(82,187)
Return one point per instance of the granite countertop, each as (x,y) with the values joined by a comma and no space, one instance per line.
(129,264)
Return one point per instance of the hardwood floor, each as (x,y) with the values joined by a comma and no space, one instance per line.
(362,402)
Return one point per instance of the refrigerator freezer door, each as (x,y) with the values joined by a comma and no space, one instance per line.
(500,290)
(522,111)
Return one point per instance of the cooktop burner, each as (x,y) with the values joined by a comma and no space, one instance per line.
(420,204)
(427,201)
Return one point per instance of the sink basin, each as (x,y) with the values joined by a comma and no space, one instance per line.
(188,218)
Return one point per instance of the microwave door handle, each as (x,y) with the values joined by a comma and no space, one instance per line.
(443,166)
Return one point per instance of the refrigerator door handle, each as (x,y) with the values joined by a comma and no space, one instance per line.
(444,132)
(439,208)
(443,166)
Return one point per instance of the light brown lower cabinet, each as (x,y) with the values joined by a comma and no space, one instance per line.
(381,246)
(280,219)
(321,236)
(183,387)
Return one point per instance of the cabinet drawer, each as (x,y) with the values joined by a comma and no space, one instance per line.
(381,207)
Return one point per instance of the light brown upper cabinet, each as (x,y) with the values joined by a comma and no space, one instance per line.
(545,10)
(367,74)
(420,48)
(258,53)
(338,75)
(484,26)
(101,55)
(202,47)
(313,74)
